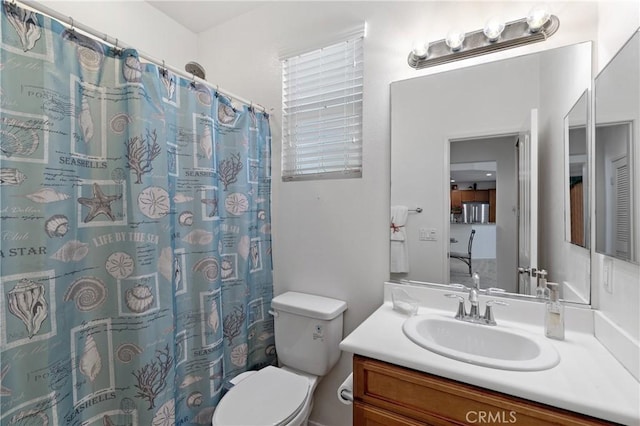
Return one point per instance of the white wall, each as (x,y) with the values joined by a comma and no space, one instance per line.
(332,236)
(136,23)
(617,23)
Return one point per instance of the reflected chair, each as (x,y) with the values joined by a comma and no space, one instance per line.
(465,257)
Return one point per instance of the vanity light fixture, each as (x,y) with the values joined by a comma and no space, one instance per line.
(454,40)
(496,35)
(493,28)
(489,174)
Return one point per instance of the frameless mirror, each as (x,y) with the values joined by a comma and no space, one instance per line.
(442,126)
(577,173)
(617,154)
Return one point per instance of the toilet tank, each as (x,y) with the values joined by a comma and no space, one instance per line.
(308,330)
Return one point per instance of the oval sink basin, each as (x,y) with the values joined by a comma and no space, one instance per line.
(489,346)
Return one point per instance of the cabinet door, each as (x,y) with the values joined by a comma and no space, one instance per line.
(468,195)
(368,415)
(456,199)
(426,399)
(482,195)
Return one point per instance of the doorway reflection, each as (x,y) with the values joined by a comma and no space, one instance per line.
(482,221)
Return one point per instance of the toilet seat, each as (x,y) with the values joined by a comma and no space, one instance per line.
(271,396)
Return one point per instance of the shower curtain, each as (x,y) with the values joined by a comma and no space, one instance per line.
(135,257)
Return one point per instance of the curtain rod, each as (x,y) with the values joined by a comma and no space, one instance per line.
(69,21)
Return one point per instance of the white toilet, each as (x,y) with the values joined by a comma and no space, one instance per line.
(308,330)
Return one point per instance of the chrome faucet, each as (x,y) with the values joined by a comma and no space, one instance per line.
(474,311)
(473,297)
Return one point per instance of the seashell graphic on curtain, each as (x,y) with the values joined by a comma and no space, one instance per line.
(214,317)
(88,293)
(90,361)
(206,142)
(71,251)
(27,302)
(56,226)
(17,138)
(47,195)
(126,352)
(139,298)
(208,267)
(90,53)
(169,82)
(11,176)
(185,218)
(194,399)
(199,237)
(119,123)
(132,69)
(85,121)
(226,114)
(189,380)
(164,263)
(25,23)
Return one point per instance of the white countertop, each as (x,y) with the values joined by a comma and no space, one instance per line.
(587,380)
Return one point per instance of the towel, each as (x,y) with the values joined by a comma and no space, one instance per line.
(399,251)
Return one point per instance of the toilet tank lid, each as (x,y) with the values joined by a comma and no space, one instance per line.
(309,305)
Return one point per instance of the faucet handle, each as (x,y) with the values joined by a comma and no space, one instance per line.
(462,312)
(498,290)
(488,311)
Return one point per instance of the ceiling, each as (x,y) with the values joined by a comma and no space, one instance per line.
(199,16)
(473,172)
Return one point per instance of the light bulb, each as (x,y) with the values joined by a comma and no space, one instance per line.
(420,49)
(537,17)
(493,28)
(454,40)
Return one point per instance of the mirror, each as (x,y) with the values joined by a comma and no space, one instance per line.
(435,121)
(577,173)
(617,154)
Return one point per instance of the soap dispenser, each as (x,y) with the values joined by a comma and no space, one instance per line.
(542,292)
(554,314)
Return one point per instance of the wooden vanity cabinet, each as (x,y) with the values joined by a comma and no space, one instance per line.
(389,395)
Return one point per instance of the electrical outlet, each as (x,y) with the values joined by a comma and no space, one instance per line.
(607,275)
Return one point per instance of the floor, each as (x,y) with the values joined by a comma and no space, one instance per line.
(486,268)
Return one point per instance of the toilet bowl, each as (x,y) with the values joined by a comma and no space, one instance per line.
(308,330)
(271,396)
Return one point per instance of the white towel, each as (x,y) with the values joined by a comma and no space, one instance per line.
(399,251)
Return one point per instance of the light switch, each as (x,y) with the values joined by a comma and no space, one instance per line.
(427,234)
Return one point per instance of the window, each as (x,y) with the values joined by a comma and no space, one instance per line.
(322,113)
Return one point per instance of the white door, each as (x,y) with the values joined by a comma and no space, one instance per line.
(622,216)
(528,205)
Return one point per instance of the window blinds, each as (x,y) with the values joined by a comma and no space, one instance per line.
(322,112)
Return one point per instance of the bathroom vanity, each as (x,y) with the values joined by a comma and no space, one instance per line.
(397,382)
(386,394)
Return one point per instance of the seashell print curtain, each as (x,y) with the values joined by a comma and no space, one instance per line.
(135,257)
